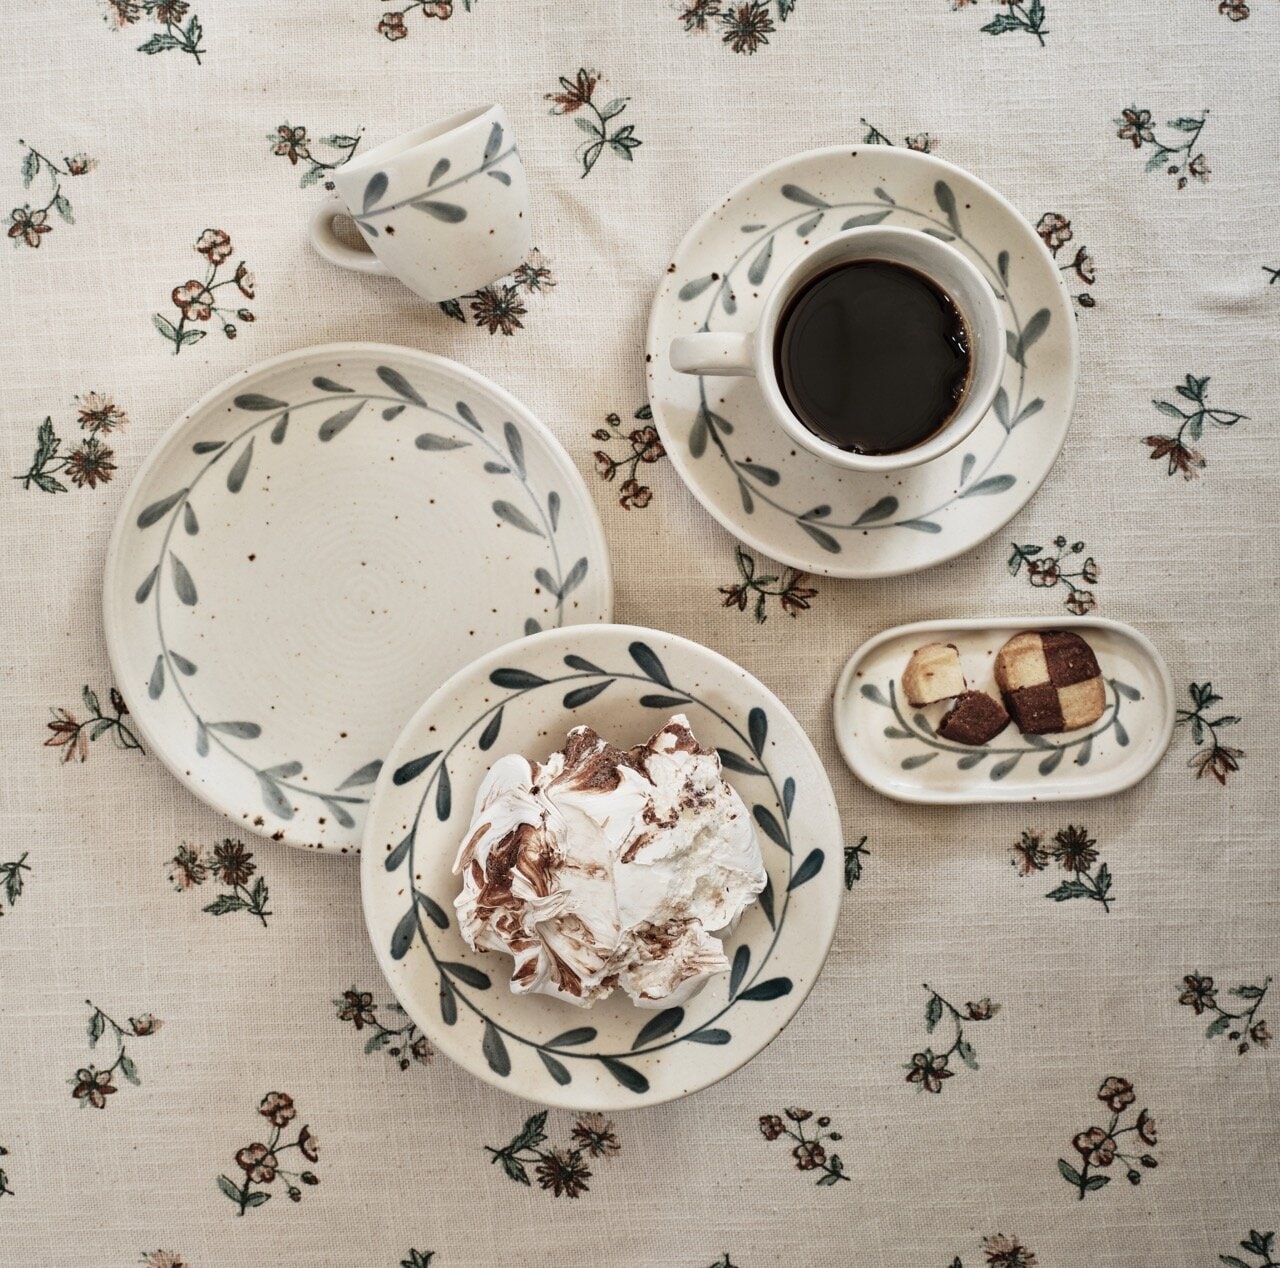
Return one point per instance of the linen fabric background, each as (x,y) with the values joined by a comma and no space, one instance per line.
(1177,284)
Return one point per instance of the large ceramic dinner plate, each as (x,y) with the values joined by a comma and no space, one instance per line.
(312,550)
(788,502)
(625,682)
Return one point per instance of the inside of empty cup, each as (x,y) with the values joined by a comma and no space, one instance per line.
(428,132)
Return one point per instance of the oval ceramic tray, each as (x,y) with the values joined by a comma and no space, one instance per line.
(524,698)
(894,747)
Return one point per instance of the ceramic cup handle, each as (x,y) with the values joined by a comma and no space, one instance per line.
(713,352)
(329,245)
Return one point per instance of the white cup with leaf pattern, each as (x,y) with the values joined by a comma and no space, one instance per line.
(444,208)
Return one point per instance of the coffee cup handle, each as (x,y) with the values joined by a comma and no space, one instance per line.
(716,352)
(328,244)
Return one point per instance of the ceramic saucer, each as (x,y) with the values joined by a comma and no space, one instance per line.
(787,502)
(524,698)
(311,550)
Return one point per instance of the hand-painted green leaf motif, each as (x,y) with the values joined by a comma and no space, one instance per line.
(766,902)
(758,729)
(728,301)
(1128,692)
(797,195)
(515,446)
(429,441)
(1122,736)
(577,574)
(788,795)
(579,696)
(516,679)
(806,227)
(1001,407)
(493,144)
(237,730)
(256,401)
(554,1068)
(497,468)
(279,430)
(397,856)
(183,585)
(917,760)
(532,626)
(438,171)
(1085,753)
(412,769)
(334,424)
(393,411)
(516,517)
(1049,764)
(400,385)
(992,484)
(467,415)
(156,685)
(553,509)
(821,536)
(741,962)
(285,770)
(448,1002)
(499,175)
(709,1036)
(947,201)
(647,660)
(966,467)
(807,870)
(444,795)
(489,736)
(773,988)
(661,1024)
(339,812)
(691,290)
(148,583)
(158,510)
(240,469)
(1028,410)
(374,190)
(435,913)
(189,521)
(326,384)
(362,777)
(920,526)
(1036,325)
(450,213)
(880,511)
(477,979)
(273,797)
(883,196)
(628,1076)
(1001,769)
(402,938)
(731,761)
(582,665)
(495,1051)
(873,693)
(744,492)
(871,218)
(698,434)
(1002,266)
(574,1038)
(766,475)
(202,739)
(770,826)
(760,265)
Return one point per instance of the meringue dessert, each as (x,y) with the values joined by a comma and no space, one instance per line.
(603,869)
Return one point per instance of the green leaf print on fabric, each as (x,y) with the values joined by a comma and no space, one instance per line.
(810,1151)
(1179,449)
(261,1163)
(564,1172)
(1074,850)
(928,1069)
(29,223)
(1100,1147)
(197,300)
(91,1084)
(1243,1025)
(577,94)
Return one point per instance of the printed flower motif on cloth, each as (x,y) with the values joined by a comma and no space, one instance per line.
(1259,1244)
(92,1085)
(86,464)
(923,142)
(1211,757)
(809,1151)
(163,1259)
(404,1043)
(197,300)
(1074,850)
(169,15)
(1099,1147)
(293,143)
(1181,159)
(853,856)
(499,306)
(1056,232)
(1201,995)
(391,26)
(1181,455)
(29,224)
(260,1163)
(11,882)
(641,445)
(418,1259)
(229,863)
(578,94)
(5,1190)
(1050,566)
(73,734)
(743,27)
(563,1171)
(928,1069)
(786,586)
(1000,1251)
(1016,16)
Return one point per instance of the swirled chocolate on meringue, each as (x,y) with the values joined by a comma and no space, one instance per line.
(603,869)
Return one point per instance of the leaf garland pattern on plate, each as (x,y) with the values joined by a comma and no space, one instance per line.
(584,682)
(507,459)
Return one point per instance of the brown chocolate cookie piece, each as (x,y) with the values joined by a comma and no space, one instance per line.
(1068,658)
(975,718)
(1035,709)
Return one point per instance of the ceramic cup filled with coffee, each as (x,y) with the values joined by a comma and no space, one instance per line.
(877,349)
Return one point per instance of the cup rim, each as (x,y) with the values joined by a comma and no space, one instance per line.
(416,137)
(945,438)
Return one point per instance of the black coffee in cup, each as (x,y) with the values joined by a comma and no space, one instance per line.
(872,356)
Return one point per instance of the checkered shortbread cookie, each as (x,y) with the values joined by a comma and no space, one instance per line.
(1050,681)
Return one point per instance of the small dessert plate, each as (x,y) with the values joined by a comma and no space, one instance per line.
(524,698)
(790,503)
(311,550)
(895,748)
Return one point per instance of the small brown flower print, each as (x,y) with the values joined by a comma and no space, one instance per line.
(89,464)
(74,734)
(754,589)
(231,864)
(1236,10)
(397,1036)
(746,27)
(924,142)
(575,93)
(214,245)
(499,306)
(1075,851)
(232,861)
(98,413)
(563,1172)
(29,224)
(1180,456)
(1029,853)
(1180,158)
(809,1151)
(1100,1147)
(163,1259)
(1059,564)
(1239,1025)
(640,446)
(578,94)
(263,1162)
(1007,1252)
(1135,126)
(1211,757)
(197,299)
(391,25)
(92,1085)
(167,14)
(698,14)
(1056,232)
(295,144)
(928,1069)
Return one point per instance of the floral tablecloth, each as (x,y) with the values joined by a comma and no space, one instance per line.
(1045,1032)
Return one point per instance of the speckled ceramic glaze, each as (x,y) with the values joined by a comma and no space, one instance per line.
(894,747)
(625,682)
(315,547)
(790,503)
